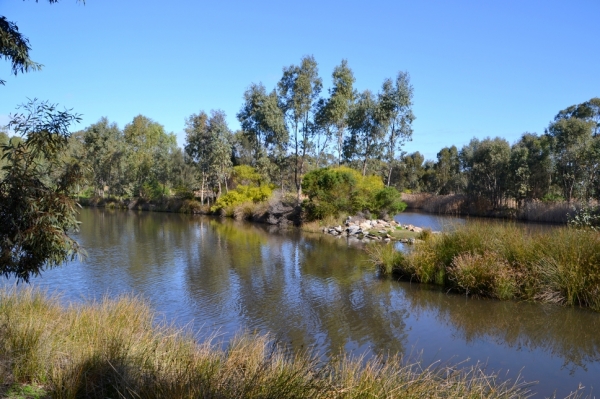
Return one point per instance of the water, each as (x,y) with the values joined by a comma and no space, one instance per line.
(318,292)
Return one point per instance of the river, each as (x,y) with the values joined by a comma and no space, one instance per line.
(319,293)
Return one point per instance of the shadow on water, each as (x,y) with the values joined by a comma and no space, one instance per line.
(317,292)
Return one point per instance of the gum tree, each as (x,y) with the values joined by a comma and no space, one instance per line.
(298,91)
(38,211)
(396,116)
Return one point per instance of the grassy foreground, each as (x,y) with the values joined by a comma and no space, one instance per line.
(504,261)
(113,349)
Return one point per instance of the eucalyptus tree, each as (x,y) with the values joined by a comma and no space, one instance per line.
(298,91)
(365,141)
(220,149)
(396,116)
(331,114)
(147,144)
(104,153)
(572,145)
(14,47)
(588,111)
(531,168)
(486,163)
(209,146)
(197,146)
(37,211)
(263,126)
(412,172)
(447,171)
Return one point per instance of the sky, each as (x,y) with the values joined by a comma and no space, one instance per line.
(478,68)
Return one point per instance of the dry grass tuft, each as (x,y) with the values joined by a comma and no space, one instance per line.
(506,261)
(115,348)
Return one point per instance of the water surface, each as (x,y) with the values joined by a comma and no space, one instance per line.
(318,292)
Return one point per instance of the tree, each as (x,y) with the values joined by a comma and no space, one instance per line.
(263,126)
(486,164)
(103,142)
(365,141)
(148,147)
(331,114)
(396,116)
(411,171)
(208,144)
(14,47)
(530,168)
(37,213)
(447,171)
(299,89)
(571,146)
(589,111)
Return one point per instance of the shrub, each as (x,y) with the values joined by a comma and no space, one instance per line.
(332,191)
(389,200)
(241,194)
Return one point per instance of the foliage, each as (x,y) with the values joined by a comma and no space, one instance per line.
(242,194)
(208,146)
(14,47)
(395,114)
(332,191)
(486,163)
(298,91)
(38,212)
(585,217)
(246,175)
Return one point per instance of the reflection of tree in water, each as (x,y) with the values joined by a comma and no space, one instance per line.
(308,293)
(134,246)
(569,333)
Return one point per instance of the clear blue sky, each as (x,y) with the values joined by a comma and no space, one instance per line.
(479,68)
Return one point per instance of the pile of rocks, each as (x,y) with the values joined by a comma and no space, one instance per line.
(371,229)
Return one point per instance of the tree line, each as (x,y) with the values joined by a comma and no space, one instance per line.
(297,127)
(285,132)
(563,163)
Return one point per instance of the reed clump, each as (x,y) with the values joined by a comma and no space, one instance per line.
(505,261)
(115,348)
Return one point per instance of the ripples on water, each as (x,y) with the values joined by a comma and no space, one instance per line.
(317,292)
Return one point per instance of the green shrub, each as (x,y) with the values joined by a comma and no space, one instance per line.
(332,191)
(389,200)
(240,195)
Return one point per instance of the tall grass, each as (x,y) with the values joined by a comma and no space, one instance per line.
(505,261)
(114,348)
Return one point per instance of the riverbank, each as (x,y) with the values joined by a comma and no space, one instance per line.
(275,211)
(504,261)
(459,204)
(116,348)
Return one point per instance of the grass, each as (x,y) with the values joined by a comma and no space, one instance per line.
(316,226)
(505,261)
(114,348)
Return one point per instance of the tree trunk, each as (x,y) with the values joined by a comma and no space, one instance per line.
(202,190)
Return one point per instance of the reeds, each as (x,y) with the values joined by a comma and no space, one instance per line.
(505,261)
(115,348)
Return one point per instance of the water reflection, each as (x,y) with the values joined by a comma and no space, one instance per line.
(316,292)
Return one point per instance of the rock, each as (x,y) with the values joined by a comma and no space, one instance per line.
(353,230)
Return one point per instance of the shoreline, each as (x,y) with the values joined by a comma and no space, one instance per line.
(462,206)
